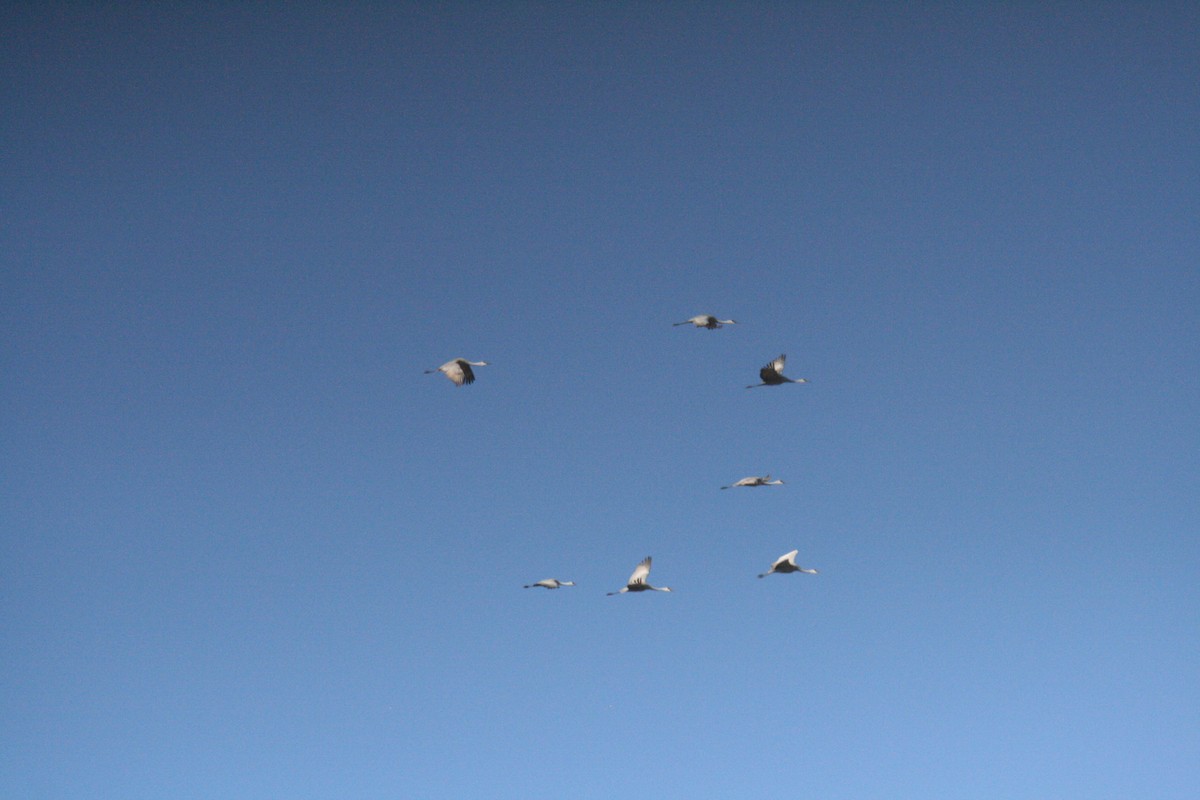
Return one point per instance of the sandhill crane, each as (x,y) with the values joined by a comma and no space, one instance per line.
(787,563)
(772,374)
(458,370)
(637,581)
(706,321)
(755,480)
(550,583)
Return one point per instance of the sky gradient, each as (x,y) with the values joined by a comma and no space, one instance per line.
(249,550)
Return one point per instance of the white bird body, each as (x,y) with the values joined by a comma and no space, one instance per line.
(550,583)
(787,563)
(772,374)
(755,480)
(706,321)
(637,581)
(458,370)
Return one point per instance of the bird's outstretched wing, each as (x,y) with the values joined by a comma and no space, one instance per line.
(641,572)
(466,374)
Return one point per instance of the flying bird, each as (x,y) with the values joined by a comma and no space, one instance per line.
(707,321)
(772,374)
(459,370)
(551,583)
(637,581)
(787,563)
(755,480)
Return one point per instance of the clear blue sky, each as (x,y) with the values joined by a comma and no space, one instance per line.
(250,550)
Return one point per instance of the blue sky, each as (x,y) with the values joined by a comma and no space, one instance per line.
(250,550)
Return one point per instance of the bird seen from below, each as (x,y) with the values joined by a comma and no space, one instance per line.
(755,480)
(787,563)
(550,583)
(637,581)
(459,370)
(706,321)
(772,375)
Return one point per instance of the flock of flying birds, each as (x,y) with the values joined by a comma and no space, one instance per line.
(460,372)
